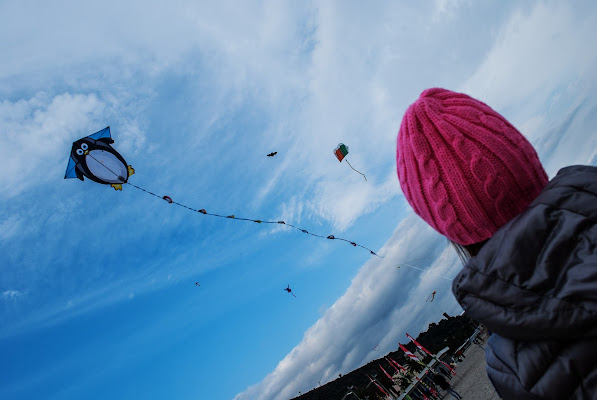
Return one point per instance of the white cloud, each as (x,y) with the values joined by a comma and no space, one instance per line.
(382,303)
(535,53)
(448,8)
(53,313)
(11,295)
(10,226)
(35,136)
(342,204)
(593,159)
(540,76)
(86,34)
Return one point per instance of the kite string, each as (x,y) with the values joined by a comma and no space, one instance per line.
(425,270)
(425,258)
(144,190)
(204,212)
(356,170)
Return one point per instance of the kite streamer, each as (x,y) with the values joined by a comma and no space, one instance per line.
(259,221)
(356,170)
(94,158)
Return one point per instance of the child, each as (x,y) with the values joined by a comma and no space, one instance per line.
(529,244)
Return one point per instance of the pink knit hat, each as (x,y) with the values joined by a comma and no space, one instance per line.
(463,168)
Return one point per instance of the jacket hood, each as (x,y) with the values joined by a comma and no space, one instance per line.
(536,278)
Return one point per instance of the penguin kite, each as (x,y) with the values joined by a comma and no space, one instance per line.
(289,290)
(94,158)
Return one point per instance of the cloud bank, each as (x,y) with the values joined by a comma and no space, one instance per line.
(382,302)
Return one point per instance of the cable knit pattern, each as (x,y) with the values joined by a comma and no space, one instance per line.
(463,167)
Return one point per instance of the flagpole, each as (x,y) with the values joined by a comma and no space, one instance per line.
(420,346)
(379,385)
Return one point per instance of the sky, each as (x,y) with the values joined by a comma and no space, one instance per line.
(97,287)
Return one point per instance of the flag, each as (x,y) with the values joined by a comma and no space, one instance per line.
(384,371)
(409,354)
(420,346)
(398,365)
(422,394)
(396,368)
(377,384)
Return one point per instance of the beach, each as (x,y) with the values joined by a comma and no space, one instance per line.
(471,380)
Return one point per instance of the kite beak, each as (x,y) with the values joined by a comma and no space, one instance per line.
(86,152)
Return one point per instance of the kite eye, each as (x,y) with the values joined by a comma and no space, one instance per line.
(84,146)
(80,152)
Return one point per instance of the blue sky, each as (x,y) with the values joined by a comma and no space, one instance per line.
(97,287)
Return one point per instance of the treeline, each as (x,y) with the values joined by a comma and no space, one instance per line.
(449,332)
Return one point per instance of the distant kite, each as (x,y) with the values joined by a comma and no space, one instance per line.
(431,296)
(197,284)
(289,290)
(341,151)
(272,154)
(376,348)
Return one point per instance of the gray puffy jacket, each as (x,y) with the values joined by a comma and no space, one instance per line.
(534,284)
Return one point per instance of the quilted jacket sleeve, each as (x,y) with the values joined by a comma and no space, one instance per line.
(542,370)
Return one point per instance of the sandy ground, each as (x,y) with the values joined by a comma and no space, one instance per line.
(471,380)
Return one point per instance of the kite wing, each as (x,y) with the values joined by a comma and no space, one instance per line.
(104,133)
(70,169)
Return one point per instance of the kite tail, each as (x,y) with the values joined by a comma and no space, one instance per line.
(204,212)
(356,170)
